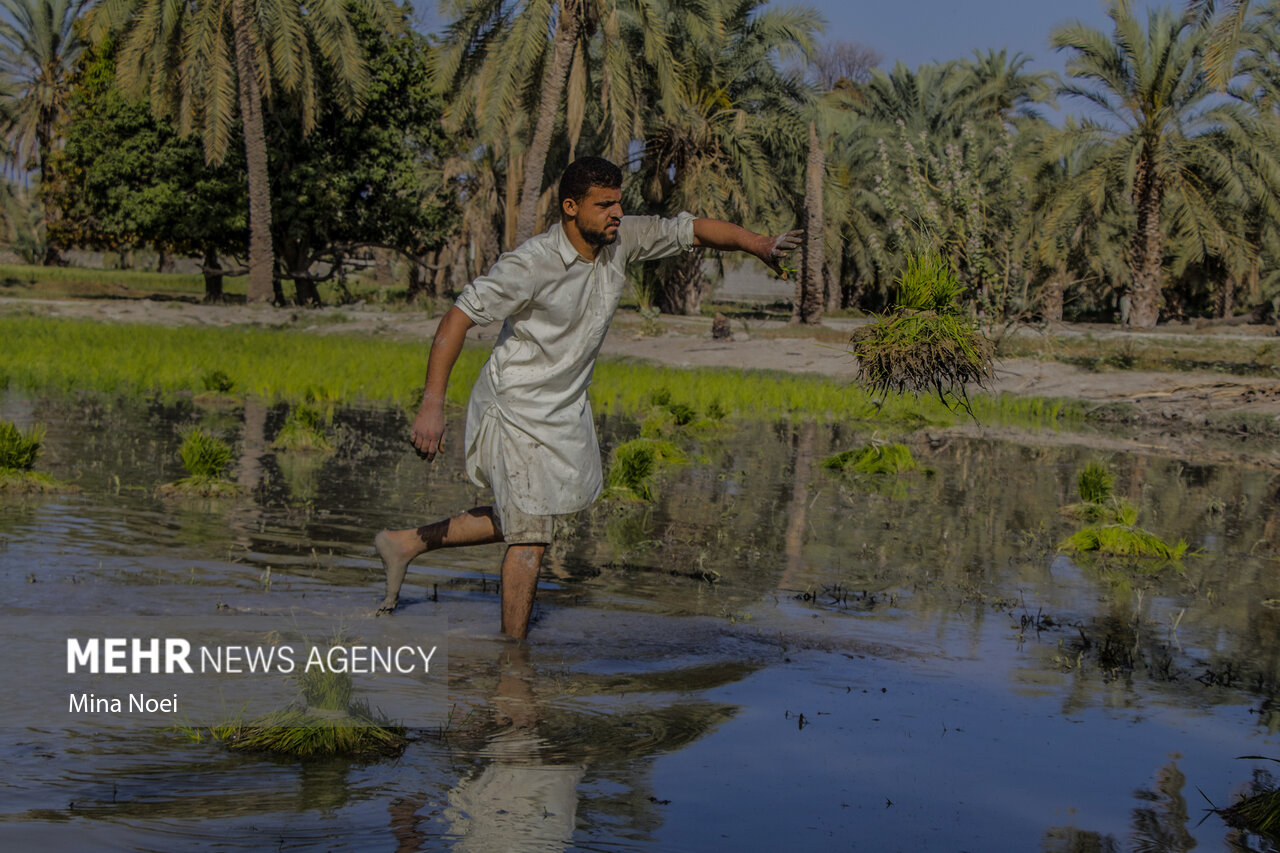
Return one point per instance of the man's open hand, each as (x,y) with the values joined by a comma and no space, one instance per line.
(774,250)
(427,431)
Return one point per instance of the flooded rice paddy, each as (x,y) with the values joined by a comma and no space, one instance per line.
(768,656)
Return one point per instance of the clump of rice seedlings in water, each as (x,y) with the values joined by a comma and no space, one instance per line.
(217,381)
(206,457)
(19,450)
(1096,484)
(303,431)
(1123,540)
(1117,533)
(682,413)
(877,459)
(633,466)
(925,345)
(329,722)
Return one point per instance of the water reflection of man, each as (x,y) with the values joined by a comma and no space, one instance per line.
(529,432)
(518,800)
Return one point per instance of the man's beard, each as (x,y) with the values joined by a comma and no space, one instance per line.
(598,238)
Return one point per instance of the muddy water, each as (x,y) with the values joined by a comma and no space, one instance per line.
(766,657)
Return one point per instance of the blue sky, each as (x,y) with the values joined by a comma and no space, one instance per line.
(917,31)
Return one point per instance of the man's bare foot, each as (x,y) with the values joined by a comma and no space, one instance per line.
(396,551)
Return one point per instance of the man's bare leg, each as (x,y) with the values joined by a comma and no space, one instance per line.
(398,548)
(519,585)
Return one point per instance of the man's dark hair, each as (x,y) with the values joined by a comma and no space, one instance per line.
(587,172)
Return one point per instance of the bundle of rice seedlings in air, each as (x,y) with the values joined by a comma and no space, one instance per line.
(19,450)
(303,431)
(330,723)
(924,344)
(206,457)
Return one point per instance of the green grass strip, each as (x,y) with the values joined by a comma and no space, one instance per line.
(54,355)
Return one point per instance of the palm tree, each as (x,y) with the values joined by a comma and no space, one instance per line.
(1160,146)
(835,68)
(494,47)
(38,47)
(208,62)
(1226,32)
(945,164)
(722,149)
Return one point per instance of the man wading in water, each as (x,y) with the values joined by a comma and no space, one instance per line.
(529,435)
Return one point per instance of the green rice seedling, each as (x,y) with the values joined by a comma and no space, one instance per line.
(51,355)
(633,465)
(19,449)
(217,381)
(330,722)
(924,345)
(206,457)
(302,431)
(1112,511)
(1123,540)
(1096,483)
(658,423)
(877,459)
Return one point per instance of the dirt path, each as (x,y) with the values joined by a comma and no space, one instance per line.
(1196,399)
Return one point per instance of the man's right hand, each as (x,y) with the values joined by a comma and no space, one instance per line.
(427,431)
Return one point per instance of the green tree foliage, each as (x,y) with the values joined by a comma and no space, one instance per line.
(375,180)
(127,178)
(209,64)
(124,178)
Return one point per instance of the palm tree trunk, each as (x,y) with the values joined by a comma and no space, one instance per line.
(261,255)
(1051,296)
(809,302)
(568,26)
(1146,251)
(44,147)
(1227,297)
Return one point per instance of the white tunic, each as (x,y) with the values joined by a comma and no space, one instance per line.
(530,435)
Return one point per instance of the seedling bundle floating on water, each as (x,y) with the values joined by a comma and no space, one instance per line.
(303,431)
(925,344)
(876,459)
(1115,531)
(206,458)
(19,450)
(331,722)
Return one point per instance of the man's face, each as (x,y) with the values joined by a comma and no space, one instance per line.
(597,215)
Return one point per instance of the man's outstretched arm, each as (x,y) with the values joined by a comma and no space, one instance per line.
(428,426)
(727,237)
